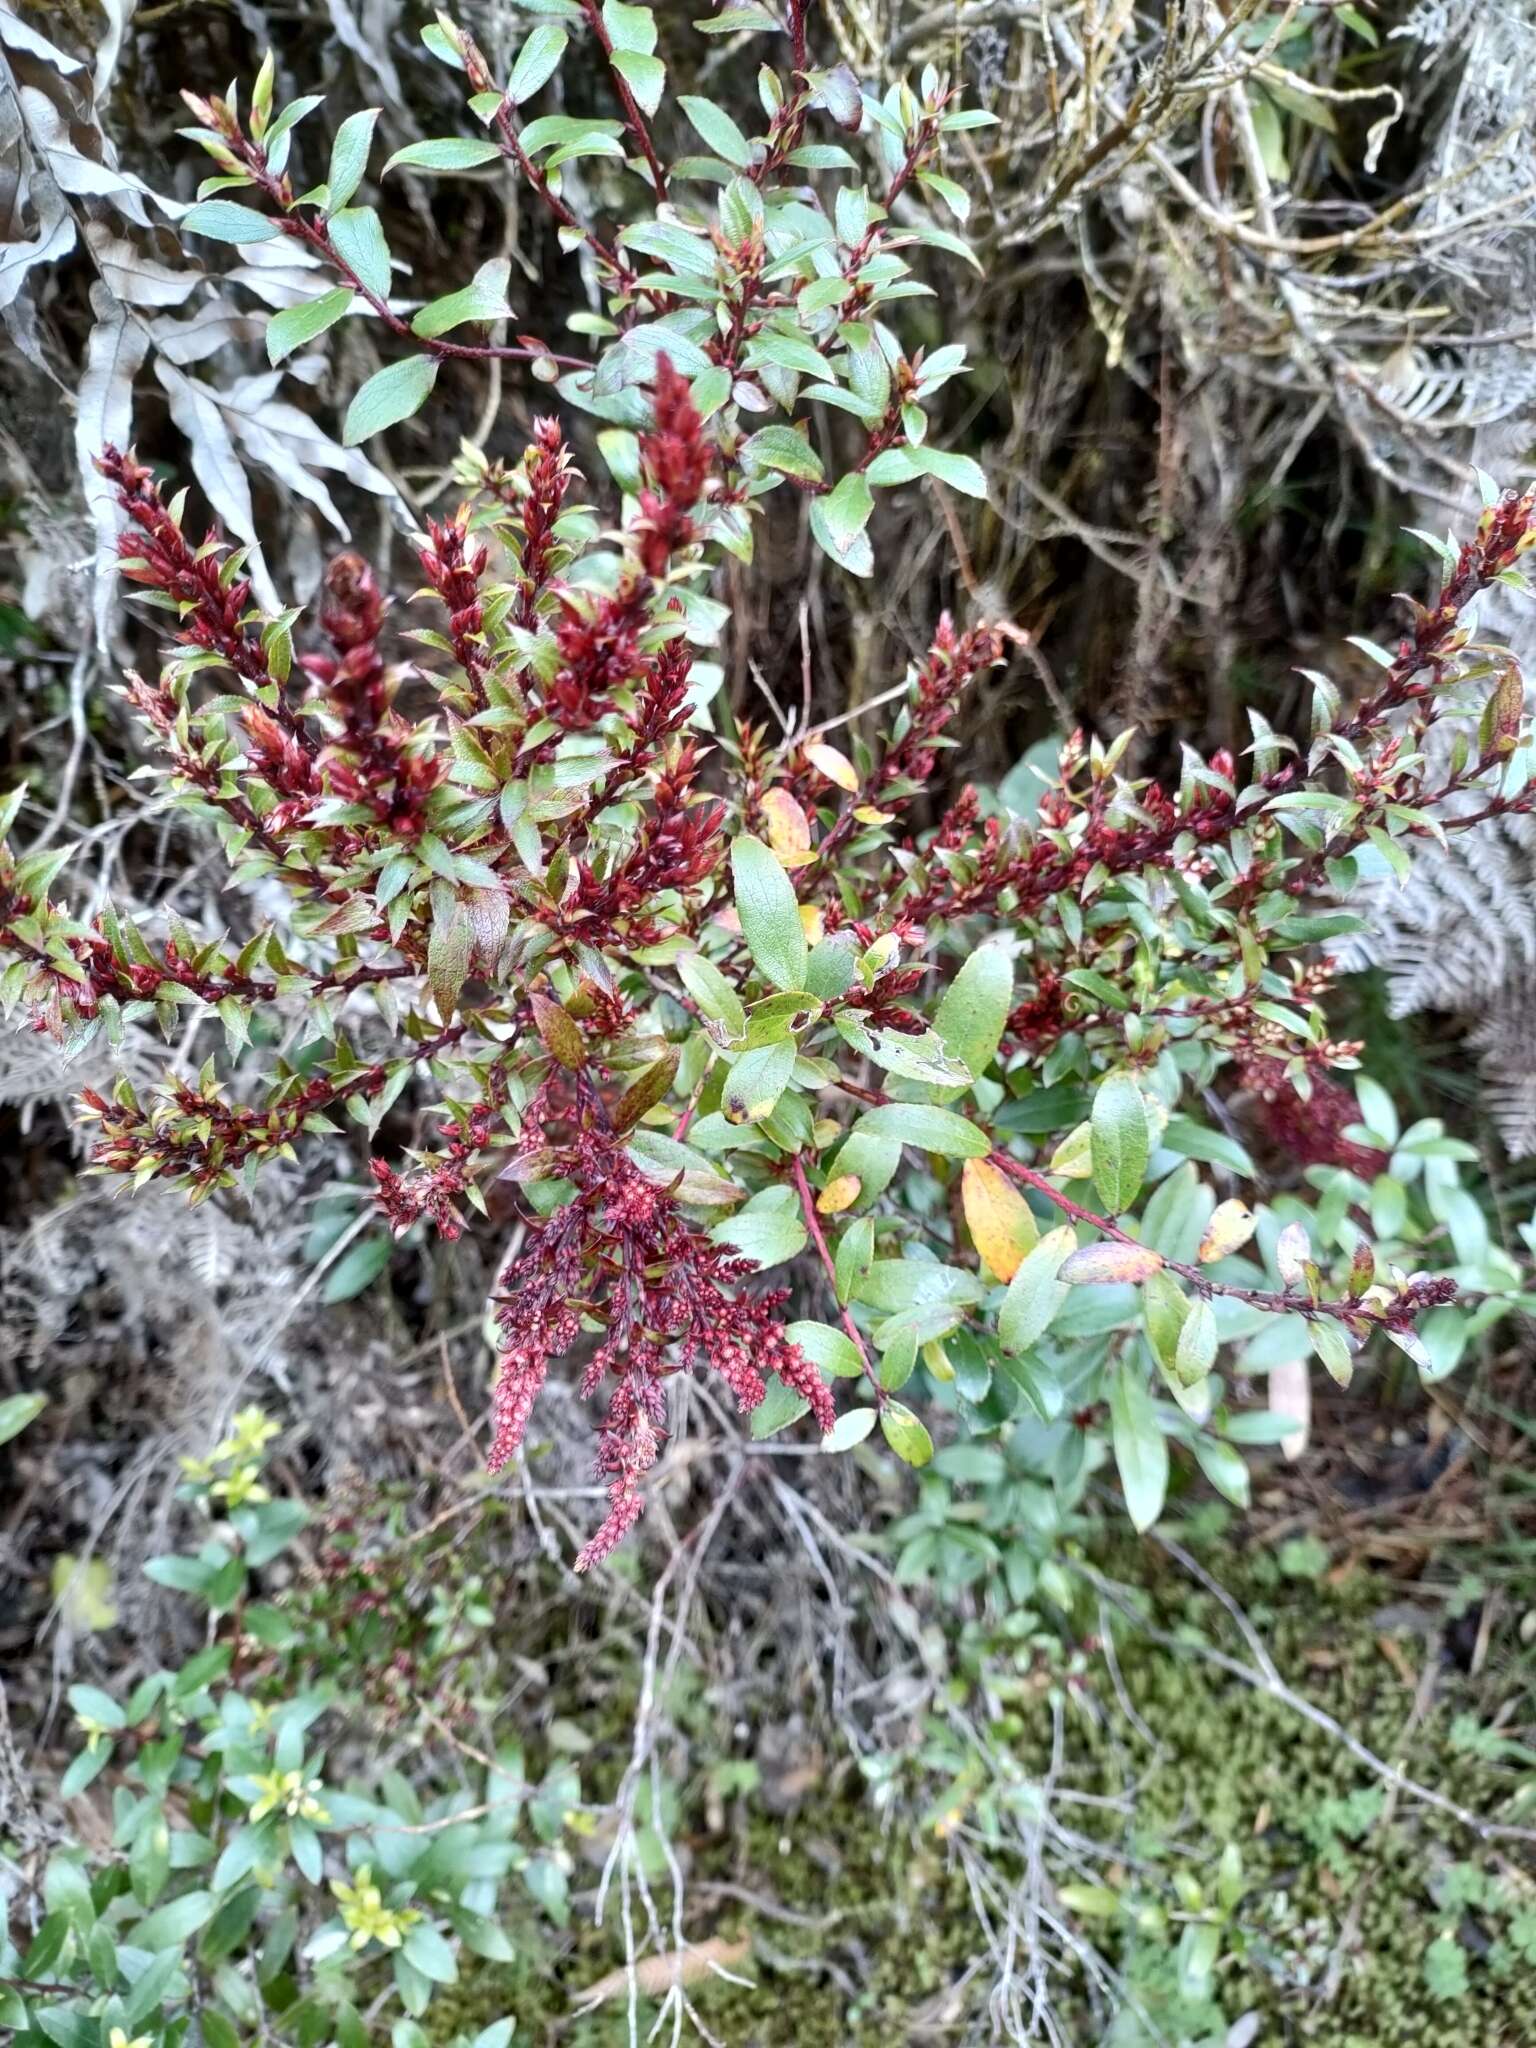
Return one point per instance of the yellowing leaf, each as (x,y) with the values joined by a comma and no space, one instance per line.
(1001,1222)
(936,1358)
(812,923)
(84,1592)
(867,814)
(839,1194)
(1230,1227)
(834,766)
(789,830)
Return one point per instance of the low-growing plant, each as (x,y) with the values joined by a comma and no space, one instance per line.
(249,1888)
(715,1007)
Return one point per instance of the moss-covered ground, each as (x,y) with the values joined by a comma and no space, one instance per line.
(1355,1919)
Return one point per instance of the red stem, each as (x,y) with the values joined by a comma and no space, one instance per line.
(813,1225)
(632,114)
(1286,1304)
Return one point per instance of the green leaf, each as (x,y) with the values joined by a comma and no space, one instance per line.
(349,158)
(230,1925)
(497,2035)
(17,1411)
(180,1574)
(536,61)
(958,471)
(92,1704)
(1332,1347)
(767,1235)
(717,131)
(646,76)
(1195,1352)
(86,1768)
(175,1922)
(483,299)
(1034,1293)
(1224,1467)
(838,522)
(389,396)
(1119,1136)
(784,449)
(905,1434)
(769,913)
(629,28)
(289,330)
(427,1951)
(712,992)
(894,466)
(358,1268)
(757,1080)
(850,1428)
(827,1348)
(449,153)
(149,1987)
(221,220)
(1164,1308)
(854,1258)
(779,1407)
(973,1012)
(1141,1449)
(928,1128)
(358,240)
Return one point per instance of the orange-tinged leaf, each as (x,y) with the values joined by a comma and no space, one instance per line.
(839,1194)
(1230,1227)
(1001,1222)
(1108,1263)
(789,830)
(834,766)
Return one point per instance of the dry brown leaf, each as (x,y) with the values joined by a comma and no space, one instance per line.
(656,1975)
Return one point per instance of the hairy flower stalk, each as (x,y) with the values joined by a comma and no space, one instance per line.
(621,1257)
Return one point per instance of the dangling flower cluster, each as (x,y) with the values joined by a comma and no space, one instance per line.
(1310,1128)
(621,1254)
(439,1180)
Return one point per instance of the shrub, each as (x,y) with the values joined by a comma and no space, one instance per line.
(218,1905)
(699,1002)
